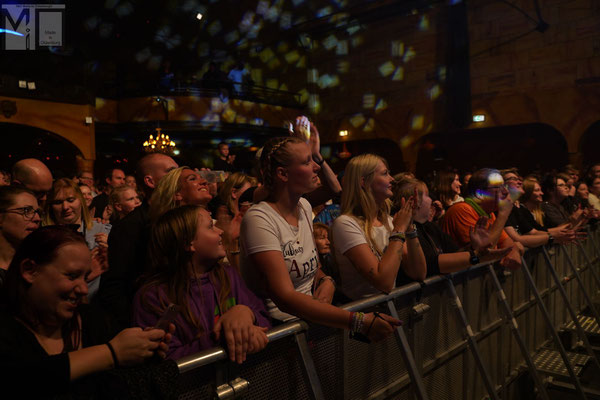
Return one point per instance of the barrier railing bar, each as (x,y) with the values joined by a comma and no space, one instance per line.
(407,355)
(550,325)
(209,356)
(569,307)
(514,327)
(309,366)
(462,317)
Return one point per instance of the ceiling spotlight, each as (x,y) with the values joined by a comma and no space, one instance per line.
(199,16)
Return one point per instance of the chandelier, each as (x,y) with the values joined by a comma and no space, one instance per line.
(159,143)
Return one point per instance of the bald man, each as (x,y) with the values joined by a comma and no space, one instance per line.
(35,176)
(128,242)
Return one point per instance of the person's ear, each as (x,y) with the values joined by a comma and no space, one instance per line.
(29,270)
(282,173)
(149,181)
(190,248)
(118,207)
(234,194)
(178,196)
(362,182)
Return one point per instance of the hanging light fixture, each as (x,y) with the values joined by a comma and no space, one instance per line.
(159,143)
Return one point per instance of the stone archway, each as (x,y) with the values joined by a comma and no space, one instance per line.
(65,120)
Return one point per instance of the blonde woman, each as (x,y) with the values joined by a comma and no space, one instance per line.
(181,186)
(66,206)
(279,257)
(369,245)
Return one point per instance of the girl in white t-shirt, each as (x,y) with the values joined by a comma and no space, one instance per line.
(279,258)
(369,245)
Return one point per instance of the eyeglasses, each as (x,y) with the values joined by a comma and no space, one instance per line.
(27,212)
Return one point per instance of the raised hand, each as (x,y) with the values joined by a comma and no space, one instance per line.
(479,234)
(404,216)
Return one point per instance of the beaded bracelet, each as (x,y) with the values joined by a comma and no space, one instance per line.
(397,236)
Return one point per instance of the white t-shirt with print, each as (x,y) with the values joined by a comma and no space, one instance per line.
(263,229)
(347,233)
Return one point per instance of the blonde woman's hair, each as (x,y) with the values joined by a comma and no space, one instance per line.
(275,154)
(528,187)
(163,197)
(57,187)
(357,197)
(234,181)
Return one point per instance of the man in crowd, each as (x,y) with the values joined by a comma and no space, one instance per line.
(486,195)
(128,242)
(35,176)
(114,178)
(87,178)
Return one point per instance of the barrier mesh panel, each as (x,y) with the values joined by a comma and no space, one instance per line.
(349,369)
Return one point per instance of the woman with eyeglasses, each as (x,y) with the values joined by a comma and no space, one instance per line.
(66,206)
(19,216)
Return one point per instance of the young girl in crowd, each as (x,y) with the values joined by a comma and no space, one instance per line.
(370,246)
(441,252)
(66,206)
(50,342)
(19,216)
(123,199)
(279,257)
(185,250)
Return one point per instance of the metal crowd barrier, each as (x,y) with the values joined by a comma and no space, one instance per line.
(468,335)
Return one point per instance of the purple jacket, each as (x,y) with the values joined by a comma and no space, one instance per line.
(203,304)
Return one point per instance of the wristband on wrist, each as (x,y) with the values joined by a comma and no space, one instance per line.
(113,354)
(319,162)
(412,234)
(397,236)
(550,240)
(474,258)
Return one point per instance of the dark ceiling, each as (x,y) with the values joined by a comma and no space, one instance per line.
(112,41)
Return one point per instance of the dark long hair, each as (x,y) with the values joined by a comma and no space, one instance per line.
(170,258)
(41,247)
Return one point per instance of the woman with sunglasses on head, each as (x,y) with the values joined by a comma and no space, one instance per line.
(279,257)
(51,343)
(66,206)
(370,245)
(19,216)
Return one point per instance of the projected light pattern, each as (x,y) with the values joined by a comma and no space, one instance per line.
(321,50)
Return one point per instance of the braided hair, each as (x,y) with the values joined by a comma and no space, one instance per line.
(275,154)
